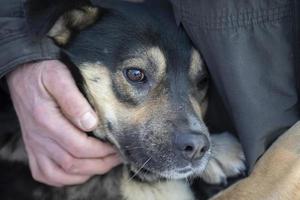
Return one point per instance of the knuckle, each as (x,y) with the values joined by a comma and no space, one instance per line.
(39,113)
(67,164)
(48,174)
(46,178)
(52,67)
(50,178)
(71,102)
(77,149)
(36,175)
(50,74)
(74,104)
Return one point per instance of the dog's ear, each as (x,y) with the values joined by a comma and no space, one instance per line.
(61,17)
(41,15)
(72,21)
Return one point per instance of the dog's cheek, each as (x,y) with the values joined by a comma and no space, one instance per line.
(156,139)
(100,94)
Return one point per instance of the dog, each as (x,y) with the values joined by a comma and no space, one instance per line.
(148,85)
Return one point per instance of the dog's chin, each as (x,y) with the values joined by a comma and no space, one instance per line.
(144,175)
(190,171)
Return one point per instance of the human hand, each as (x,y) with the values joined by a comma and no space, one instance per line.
(53,115)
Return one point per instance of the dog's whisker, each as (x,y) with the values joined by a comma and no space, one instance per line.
(190,179)
(133,148)
(136,173)
(187,180)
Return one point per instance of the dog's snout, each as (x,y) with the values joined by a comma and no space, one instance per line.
(192,145)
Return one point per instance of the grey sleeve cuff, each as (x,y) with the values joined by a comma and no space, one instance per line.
(17,44)
(20,49)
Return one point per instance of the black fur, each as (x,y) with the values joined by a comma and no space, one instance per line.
(41,15)
(150,20)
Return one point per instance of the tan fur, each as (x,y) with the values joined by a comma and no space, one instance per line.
(98,85)
(157,56)
(276,176)
(76,19)
(196,64)
(83,17)
(227,149)
(100,92)
(113,110)
(199,109)
(60,32)
(165,190)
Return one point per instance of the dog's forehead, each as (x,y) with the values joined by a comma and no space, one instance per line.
(151,59)
(185,64)
(122,37)
(159,61)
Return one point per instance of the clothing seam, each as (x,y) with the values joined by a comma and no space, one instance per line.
(12,36)
(249,11)
(25,59)
(7,33)
(296,46)
(242,19)
(244,25)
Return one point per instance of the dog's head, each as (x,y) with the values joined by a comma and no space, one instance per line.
(148,86)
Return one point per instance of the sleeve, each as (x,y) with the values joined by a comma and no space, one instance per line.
(251,49)
(17,44)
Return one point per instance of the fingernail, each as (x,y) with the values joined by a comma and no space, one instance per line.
(88,121)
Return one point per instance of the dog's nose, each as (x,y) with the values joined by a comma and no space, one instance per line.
(192,145)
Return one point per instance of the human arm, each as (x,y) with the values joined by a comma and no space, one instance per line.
(59,152)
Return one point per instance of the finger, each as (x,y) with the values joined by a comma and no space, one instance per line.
(35,169)
(52,174)
(74,165)
(77,143)
(60,84)
(88,147)
(95,166)
(87,167)
(57,128)
(37,173)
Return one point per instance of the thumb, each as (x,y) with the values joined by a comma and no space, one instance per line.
(59,82)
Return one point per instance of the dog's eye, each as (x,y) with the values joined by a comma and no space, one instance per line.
(135,75)
(202,83)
